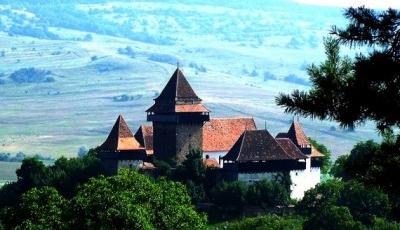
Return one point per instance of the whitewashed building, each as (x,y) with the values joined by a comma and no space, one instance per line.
(257,155)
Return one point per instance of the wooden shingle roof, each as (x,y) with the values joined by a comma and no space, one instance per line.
(256,145)
(290,148)
(177,96)
(120,138)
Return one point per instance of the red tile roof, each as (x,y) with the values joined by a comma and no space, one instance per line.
(297,135)
(198,108)
(219,134)
(211,163)
(120,138)
(316,153)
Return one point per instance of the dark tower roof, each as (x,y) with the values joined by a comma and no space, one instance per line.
(120,138)
(177,96)
(257,145)
(177,88)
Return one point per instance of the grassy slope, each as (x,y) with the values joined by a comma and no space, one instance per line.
(78,108)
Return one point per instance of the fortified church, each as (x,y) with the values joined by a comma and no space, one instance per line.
(234,146)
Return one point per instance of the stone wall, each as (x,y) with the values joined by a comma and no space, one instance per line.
(173,141)
(164,140)
(188,137)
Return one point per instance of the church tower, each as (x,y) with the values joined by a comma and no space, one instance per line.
(178,117)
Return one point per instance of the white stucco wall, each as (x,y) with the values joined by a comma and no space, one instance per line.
(129,163)
(215,155)
(303,180)
(254,177)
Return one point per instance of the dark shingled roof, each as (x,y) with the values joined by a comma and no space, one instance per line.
(256,145)
(177,92)
(120,138)
(282,135)
(290,148)
(144,135)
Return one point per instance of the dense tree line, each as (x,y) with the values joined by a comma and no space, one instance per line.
(128,200)
(65,175)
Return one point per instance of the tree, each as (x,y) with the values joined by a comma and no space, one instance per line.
(192,168)
(375,165)
(40,208)
(383,224)
(332,218)
(267,222)
(267,193)
(364,203)
(326,159)
(337,169)
(229,194)
(320,198)
(358,164)
(32,173)
(130,200)
(65,176)
(369,88)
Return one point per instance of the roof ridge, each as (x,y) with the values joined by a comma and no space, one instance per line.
(274,139)
(177,82)
(226,118)
(241,144)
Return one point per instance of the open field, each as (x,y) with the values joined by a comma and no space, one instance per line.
(7,171)
(228,53)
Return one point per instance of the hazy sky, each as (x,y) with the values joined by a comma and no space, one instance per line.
(378,4)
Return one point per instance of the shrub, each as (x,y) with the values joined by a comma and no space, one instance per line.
(267,193)
(267,222)
(229,193)
(296,80)
(31,75)
(332,218)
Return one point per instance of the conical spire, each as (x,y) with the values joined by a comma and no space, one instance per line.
(297,135)
(177,88)
(175,95)
(120,137)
